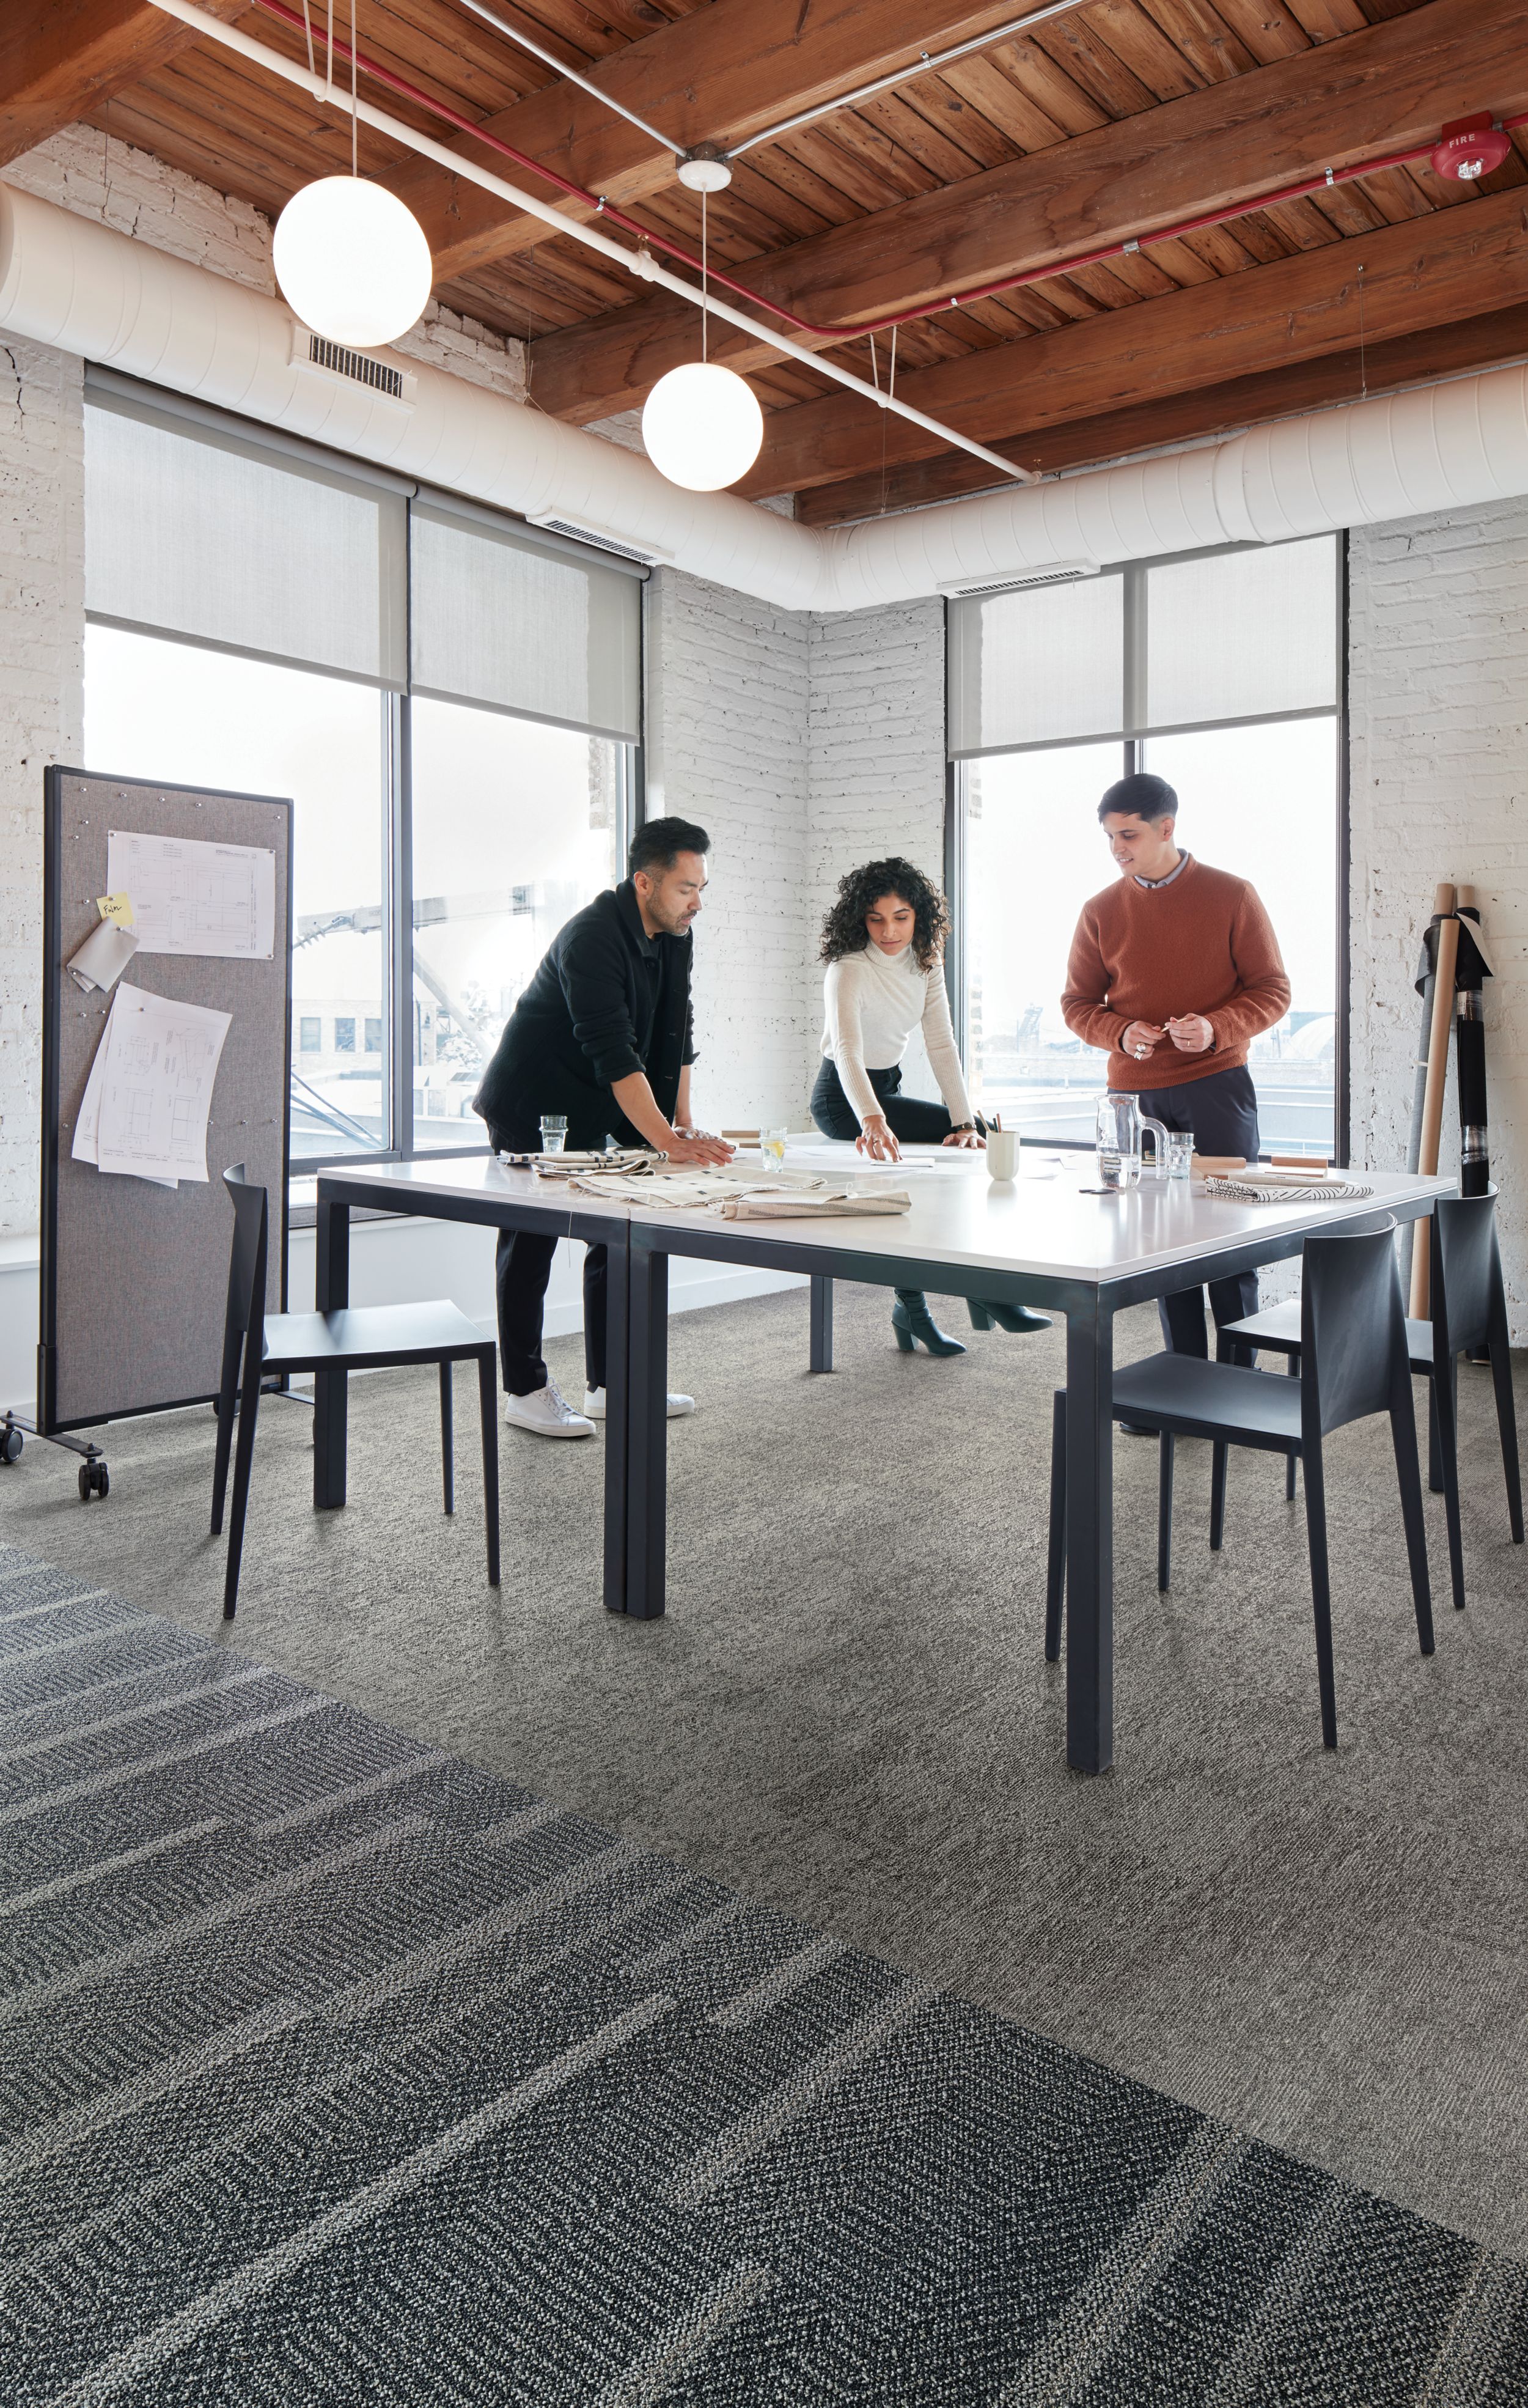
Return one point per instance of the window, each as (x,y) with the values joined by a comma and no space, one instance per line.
(1221,672)
(515,826)
(452,700)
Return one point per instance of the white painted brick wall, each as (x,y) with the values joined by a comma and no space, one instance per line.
(876,763)
(726,726)
(1440,702)
(42,627)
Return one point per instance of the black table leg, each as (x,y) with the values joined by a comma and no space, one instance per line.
(821,1358)
(330,1289)
(1089,1539)
(646,1438)
(617,1416)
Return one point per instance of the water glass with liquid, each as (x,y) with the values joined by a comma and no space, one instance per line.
(772,1148)
(553,1132)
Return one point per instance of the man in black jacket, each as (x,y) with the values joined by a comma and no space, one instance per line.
(602,1034)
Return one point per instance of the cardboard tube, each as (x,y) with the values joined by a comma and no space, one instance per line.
(1438,1072)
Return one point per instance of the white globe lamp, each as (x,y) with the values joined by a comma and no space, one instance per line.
(352,262)
(702,426)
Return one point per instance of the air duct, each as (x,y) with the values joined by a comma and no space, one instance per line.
(70,282)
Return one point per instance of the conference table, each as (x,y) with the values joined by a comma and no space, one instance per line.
(1043,1239)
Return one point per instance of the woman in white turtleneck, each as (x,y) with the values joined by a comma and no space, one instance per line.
(882,942)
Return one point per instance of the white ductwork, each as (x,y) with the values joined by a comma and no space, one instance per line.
(70,282)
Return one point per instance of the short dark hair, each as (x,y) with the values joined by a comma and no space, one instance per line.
(658,844)
(1147,797)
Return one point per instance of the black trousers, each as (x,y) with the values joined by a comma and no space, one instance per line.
(1220,1112)
(908,1117)
(521,1268)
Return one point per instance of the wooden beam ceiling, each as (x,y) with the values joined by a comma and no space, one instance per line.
(1390,87)
(1456,263)
(60,58)
(719,75)
(1149,425)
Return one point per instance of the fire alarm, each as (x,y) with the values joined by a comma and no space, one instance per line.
(1470,149)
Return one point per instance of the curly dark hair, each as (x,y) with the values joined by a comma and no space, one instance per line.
(844,929)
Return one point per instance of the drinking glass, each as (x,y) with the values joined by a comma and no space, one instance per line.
(772,1148)
(1179,1154)
(553,1132)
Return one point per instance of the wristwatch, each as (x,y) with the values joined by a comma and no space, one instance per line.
(958,1128)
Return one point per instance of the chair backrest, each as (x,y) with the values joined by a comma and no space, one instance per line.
(247,1260)
(1352,1324)
(1468,1296)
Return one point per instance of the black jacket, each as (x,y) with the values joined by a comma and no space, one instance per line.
(607,1000)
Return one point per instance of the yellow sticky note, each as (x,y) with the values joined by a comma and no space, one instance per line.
(116,906)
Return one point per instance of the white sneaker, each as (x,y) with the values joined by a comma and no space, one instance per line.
(547,1413)
(593,1405)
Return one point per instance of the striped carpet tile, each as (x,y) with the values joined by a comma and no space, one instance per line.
(335,2070)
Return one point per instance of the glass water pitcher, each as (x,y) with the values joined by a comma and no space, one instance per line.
(1121,1125)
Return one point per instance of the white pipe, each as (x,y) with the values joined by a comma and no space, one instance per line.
(636,262)
(72,283)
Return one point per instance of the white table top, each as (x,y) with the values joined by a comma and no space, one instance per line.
(1040,1224)
(475,1177)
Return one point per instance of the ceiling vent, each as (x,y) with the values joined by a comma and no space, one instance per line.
(1063,572)
(583,531)
(316,353)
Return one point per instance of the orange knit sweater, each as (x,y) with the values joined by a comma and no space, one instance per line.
(1205,944)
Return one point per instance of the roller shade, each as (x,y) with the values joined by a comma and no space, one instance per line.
(1242,634)
(1197,641)
(191,531)
(1036,668)
(501,620)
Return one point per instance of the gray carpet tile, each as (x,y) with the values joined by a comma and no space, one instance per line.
(846,1714)
(334,2070)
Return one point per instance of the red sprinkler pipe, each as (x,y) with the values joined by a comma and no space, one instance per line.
(1325,181)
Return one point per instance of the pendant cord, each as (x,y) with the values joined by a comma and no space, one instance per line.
(703,273)
(355,109)
(307,28)
(1362,353)
(329,70)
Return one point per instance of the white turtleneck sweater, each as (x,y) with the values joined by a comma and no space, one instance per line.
(874,1001)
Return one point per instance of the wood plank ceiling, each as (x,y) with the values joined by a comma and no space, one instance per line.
(1110,120)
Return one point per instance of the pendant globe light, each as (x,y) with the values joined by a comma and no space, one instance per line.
(350,258)
(700,424)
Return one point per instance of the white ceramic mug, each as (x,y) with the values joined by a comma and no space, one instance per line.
(1002,1153)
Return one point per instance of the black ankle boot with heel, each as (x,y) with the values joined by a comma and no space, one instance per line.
(911,1320)
(1015,1317)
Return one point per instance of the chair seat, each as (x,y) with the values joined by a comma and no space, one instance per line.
(1193,1398)
(369,1334)
(1278,1330)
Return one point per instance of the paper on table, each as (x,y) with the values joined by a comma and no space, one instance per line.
(104,955)
(196,898)
(147,1100)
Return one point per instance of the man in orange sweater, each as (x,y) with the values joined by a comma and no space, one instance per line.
(1173,971)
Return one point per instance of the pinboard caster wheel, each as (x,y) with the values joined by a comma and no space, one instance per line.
(11,1443)
(95,1480)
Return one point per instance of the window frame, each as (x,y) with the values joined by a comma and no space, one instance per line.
(1132,739)
(111,390)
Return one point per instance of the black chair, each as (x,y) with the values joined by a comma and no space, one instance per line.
(1352,1336)
(1469,1312)
(373,1338)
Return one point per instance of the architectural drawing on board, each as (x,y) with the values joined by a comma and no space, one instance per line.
(196,898)
(150,1091)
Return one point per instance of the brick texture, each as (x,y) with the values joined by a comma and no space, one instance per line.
(1440,701)
(42,628)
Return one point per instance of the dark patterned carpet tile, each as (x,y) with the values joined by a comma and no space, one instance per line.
(333,2071)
